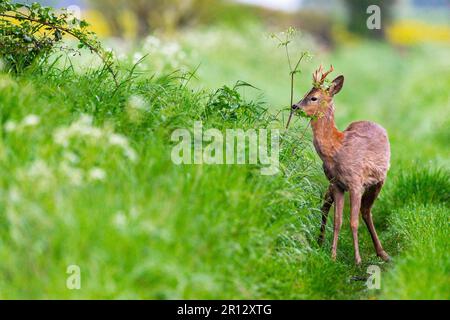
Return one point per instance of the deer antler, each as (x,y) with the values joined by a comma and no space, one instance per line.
(319,76)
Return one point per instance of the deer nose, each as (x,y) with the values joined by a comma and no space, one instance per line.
(294,107)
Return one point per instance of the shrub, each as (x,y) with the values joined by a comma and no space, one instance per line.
(31,32)
(229,105)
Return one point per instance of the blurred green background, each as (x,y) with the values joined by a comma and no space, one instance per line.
(146,228)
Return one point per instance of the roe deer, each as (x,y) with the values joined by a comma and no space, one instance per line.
(354,160)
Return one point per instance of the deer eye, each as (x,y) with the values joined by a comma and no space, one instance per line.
(314,99)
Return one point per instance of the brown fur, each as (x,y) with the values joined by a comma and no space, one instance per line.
(354,160)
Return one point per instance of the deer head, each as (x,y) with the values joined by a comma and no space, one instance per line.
(319,99)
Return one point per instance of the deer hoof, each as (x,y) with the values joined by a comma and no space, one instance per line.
(383,255)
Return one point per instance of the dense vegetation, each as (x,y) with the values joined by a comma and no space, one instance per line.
(86,176)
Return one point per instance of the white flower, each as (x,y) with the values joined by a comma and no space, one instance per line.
(120,219)
(71,157)
(121,56)
(75,175)
(136,102)
(14,195)
(135,106)
(10,126)
(134,212)
(118,140)
(131,154)
(39,169)
(137,57)
(6,82)
(61,137)
(39,172)
(80,128)
(98,137)
(31,120)
(171,49)
(122,142)
(97,174)
(151,43)
(85,119)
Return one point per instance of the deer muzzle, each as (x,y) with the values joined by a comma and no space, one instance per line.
(293,109)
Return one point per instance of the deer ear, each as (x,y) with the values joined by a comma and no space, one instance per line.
(336,85)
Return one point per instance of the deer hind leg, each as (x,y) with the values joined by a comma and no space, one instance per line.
(328,202)
(355,205)
(338,196)
(366,211)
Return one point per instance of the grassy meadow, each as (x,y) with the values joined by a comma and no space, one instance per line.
(86,176)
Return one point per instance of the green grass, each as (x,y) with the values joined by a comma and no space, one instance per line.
(151,229)
(423,266)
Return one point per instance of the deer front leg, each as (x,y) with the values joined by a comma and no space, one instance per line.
(338,196)
(355,204)
(327,203)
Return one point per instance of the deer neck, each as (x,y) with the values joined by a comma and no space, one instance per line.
(327,138)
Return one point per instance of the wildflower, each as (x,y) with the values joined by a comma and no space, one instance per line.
(61,137)
(39,169)
(39,173)
(137,57)
(171,49)
(31,120)
(131,154)
(14,195)
(136,102)
(120,219)
(151,43)
(118,140)
(75,175)
(134,108)
(97,174)
(10,126)
(134,212)
(121,56)
(99,137)
(80,128)
(6,81)
(122,142)
(85,119)
(71,157)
